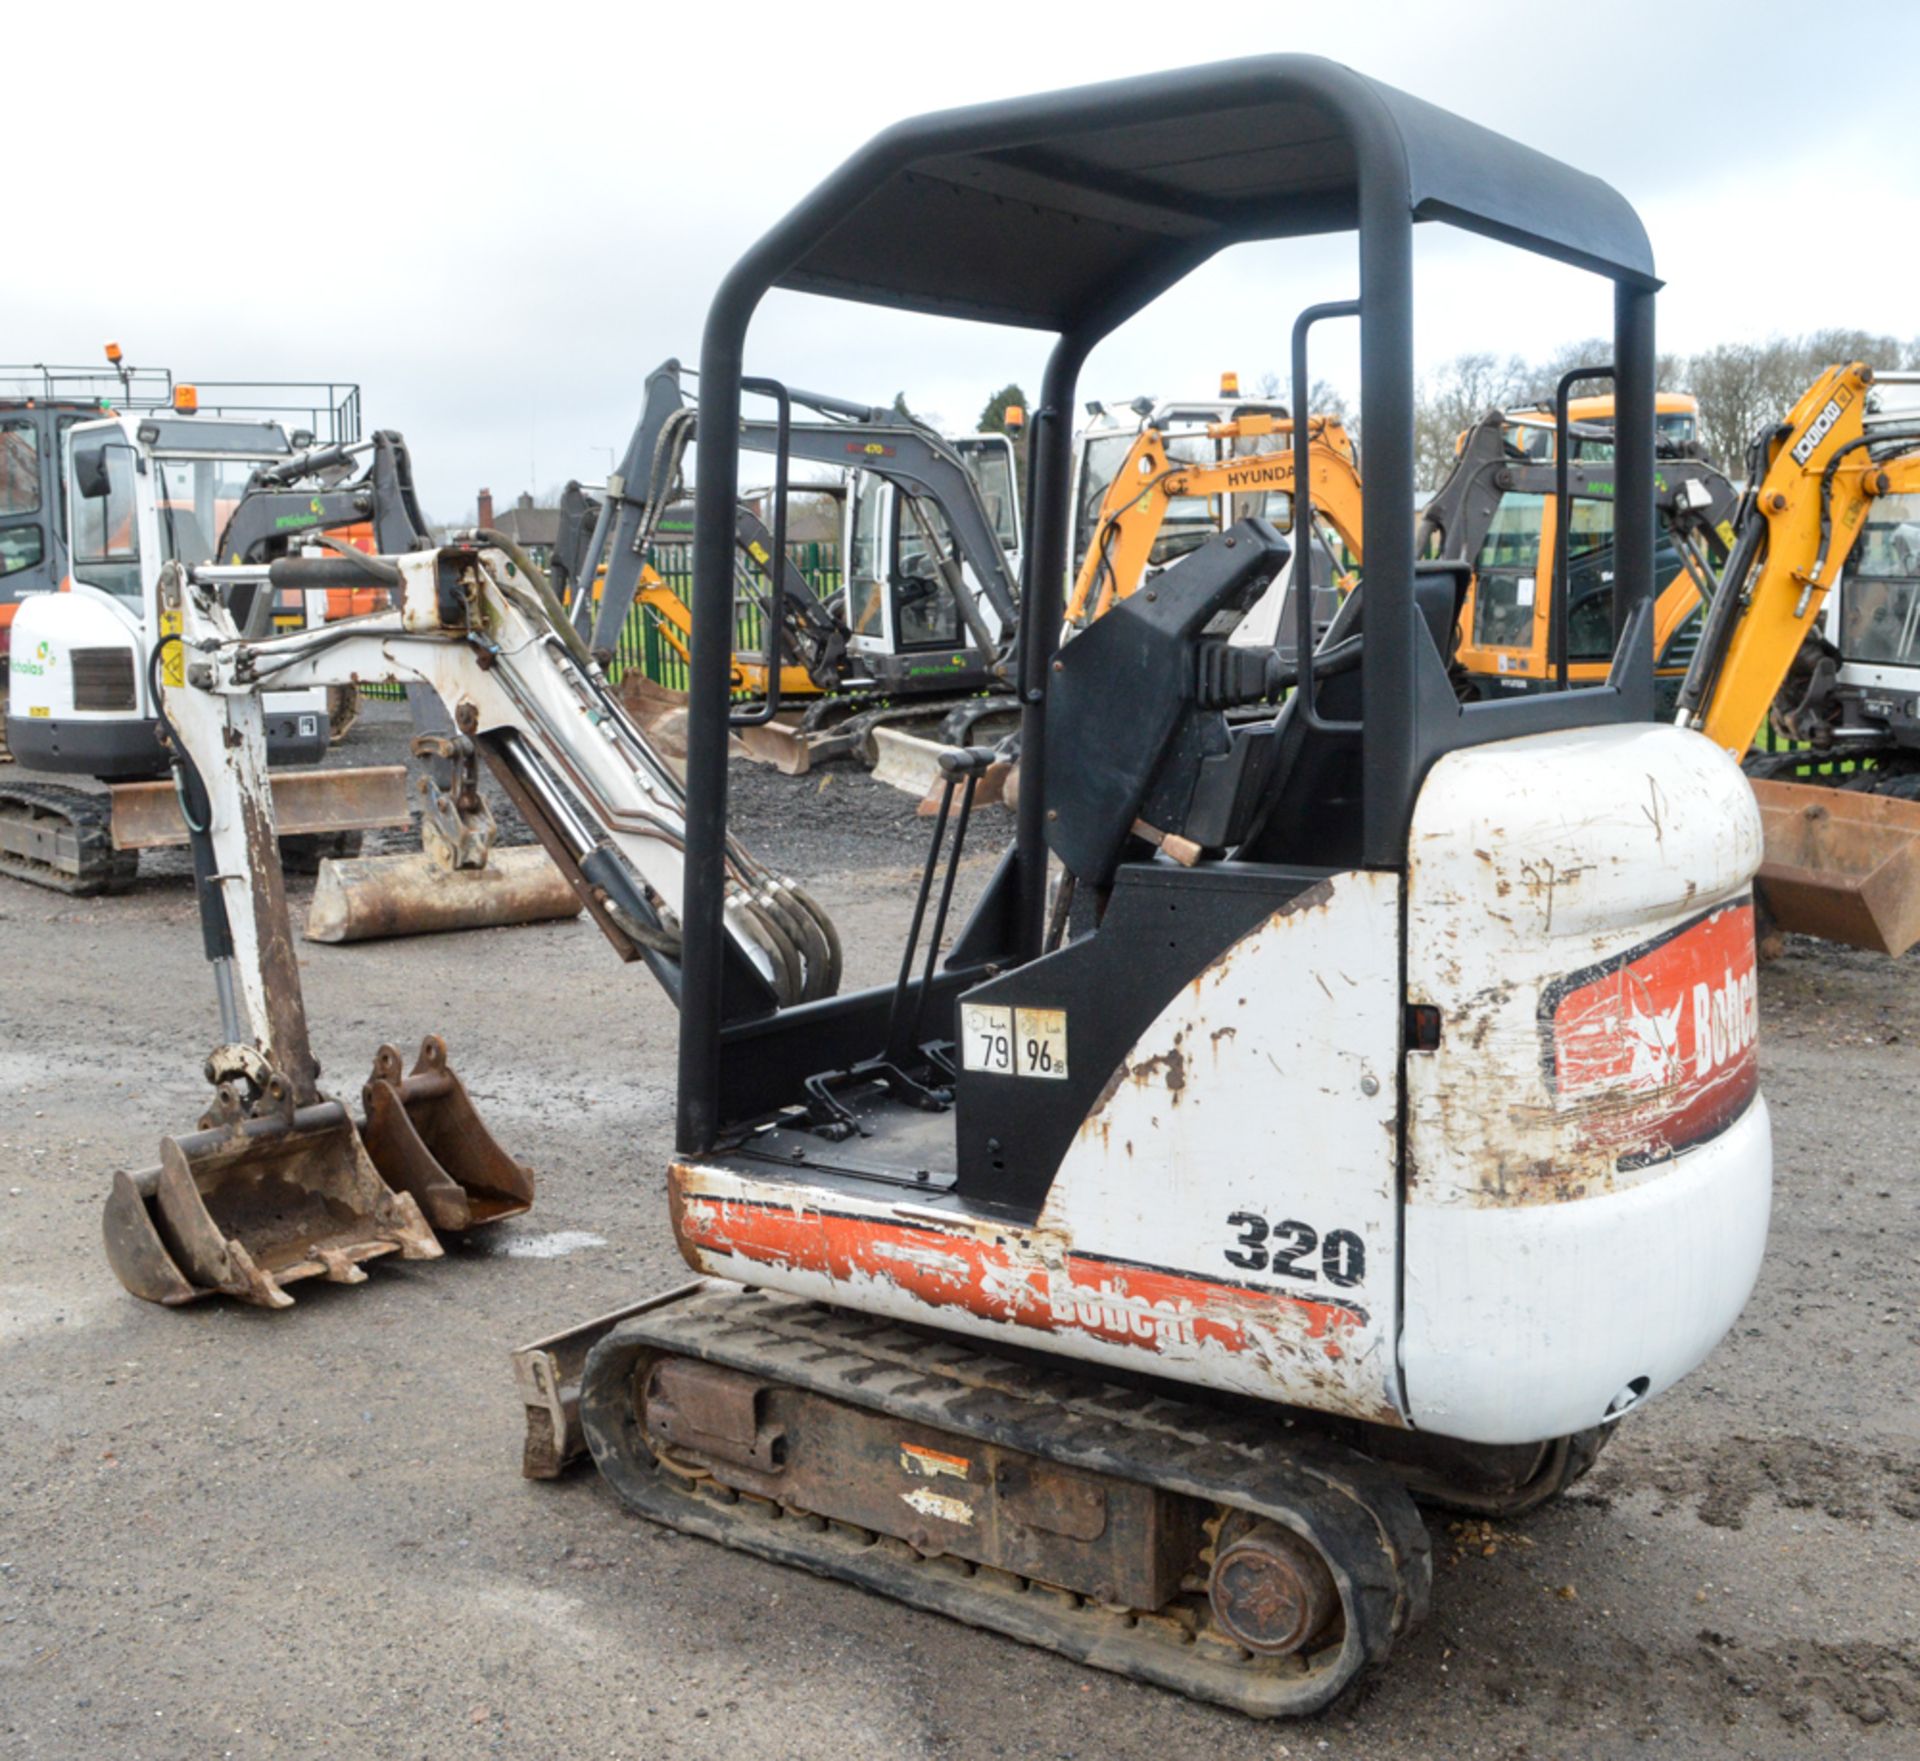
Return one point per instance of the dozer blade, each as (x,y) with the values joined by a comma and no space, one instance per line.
(1841,865)
(364,898)
(779,744)
(548,1372)
(306,803)
(249,1207)
(427,1141)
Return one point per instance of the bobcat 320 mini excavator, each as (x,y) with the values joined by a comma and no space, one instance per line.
(1117,1280)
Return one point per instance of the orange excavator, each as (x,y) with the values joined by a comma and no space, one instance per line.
(1150,481)
(1500,511)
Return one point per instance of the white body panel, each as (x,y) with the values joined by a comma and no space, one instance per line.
(1588,1161)
(1226,1216)
(46,629)
(1533,1321)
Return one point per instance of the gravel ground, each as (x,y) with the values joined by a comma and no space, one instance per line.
(233,1533)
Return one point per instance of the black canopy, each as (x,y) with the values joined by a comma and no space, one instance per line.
(1029,211)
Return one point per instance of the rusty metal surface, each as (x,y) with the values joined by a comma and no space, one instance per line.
(363,899)
(426,1138)
(942,1494)
(1269,1589)
(547,1373)
(146,816)
(779,744)
(263,1196)
(1841,865)
(260,1203)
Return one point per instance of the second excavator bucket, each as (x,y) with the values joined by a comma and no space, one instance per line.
(428,1141)
(252,1205)
(1841,865)
(365,898)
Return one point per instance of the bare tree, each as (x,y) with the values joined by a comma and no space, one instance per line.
(1452,398)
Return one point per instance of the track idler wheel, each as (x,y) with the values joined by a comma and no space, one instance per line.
(1270,1589)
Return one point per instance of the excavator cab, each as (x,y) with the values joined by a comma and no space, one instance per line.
(1275,1135)
(1540,545)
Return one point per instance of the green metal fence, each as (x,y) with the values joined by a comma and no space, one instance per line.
(640,643)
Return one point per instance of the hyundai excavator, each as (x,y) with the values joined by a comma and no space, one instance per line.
(1151,480)
(1118,1276)
(1815,623)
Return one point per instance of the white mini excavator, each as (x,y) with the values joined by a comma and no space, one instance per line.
(1320,1110)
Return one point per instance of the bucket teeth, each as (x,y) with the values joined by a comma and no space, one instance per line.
(257,1203)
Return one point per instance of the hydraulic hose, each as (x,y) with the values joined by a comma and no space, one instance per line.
(549,607)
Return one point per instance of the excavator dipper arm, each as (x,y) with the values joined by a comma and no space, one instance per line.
(485,639)
(282,1182)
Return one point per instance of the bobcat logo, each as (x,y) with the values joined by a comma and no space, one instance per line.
(1654,1043)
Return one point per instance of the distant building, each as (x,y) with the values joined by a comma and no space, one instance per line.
(535,529)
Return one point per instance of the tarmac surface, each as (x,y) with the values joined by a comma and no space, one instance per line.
(230,1532)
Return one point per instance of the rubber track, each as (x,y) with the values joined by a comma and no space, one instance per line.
(1358,1516)
(103,869)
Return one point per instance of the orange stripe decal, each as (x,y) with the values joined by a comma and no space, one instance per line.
(1008,1277)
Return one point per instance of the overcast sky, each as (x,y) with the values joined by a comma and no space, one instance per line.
(497,219)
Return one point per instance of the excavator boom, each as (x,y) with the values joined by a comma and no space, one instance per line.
(281,1181)
(1842,853)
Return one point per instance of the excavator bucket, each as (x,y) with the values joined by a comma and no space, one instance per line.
(246,1208)
(366,898)
(427,1140)
(1841,865)
(251,1205)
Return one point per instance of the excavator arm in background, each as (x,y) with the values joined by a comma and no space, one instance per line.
(854,437)
(1812,481)
(1842,850)
(1150,480)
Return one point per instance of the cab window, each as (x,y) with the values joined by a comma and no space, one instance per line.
(19,468)
(924,613)
(1505,574)
(23,545)
(864,585)
(1880,603)
(106,537)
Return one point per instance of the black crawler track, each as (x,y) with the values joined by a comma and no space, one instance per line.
(73,830)
(1358,1517)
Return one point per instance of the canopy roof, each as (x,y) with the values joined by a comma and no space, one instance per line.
(1032,211)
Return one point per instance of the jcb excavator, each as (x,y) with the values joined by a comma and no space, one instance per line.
(1816,620)
(1150,481)
(1501,509)
(1118,1276)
